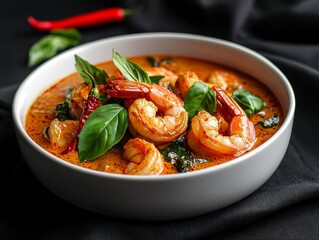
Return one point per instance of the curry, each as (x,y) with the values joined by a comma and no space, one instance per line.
(153,115)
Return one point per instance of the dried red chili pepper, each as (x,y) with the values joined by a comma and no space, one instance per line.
(107,15)
(92,103)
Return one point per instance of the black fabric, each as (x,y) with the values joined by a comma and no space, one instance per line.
(285,207)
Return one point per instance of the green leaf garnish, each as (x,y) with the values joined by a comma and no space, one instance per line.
(270,122)
(62,109)
(156,79)
(250,103)
(104,128)
(52,44)
(67,33)
(177,154)
(82,66)
(129,69)
(152,61)
(155,63)
(200,97)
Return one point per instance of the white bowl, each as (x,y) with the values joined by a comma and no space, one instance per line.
(166,197)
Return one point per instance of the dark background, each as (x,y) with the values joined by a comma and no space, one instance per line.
(285,207)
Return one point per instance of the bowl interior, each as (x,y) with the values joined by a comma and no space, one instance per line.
(216,50)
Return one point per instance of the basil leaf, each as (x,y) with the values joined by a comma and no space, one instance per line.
(82,66)
(51,45)
(248,101)
(68,33)
(156,79)
(155,63)
(103,128)
(199,97)
(62,109)
(129,69)
(177,154)
(152,61)
(270,122)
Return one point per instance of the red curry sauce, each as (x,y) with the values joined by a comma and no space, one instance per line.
(42,111)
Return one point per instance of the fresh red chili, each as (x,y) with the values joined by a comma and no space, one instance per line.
(107,15)
(92,103)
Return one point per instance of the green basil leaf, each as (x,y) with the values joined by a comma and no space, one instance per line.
(200,97)
(249,102)
(103,128)
(270,122)
(156,79)
(62,109)
(129,69)
(152,61)
(82,66)
(155,63)
(51,45)
(177,154)
(68,33)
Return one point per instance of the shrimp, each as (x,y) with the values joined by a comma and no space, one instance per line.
(61,133)
(222,79)
(204,136)
(169,78)
(217,78)
(144,158)
(185,81)
(156,115)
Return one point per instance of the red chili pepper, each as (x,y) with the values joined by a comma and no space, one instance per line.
(107,15)
(92,103)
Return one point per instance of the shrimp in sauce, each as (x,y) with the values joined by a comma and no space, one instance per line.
(162,127)
(61,133)
(169,78)
(204,136)
(144,158)
(157,117)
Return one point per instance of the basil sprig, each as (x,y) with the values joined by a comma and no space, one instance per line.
(62,109)
(177,154)
(129,69)
(155,63)
(104,128)
(199,97)
(52,44)
(270,122)
(250,103)
(106,125)
(83,66)
(156,79)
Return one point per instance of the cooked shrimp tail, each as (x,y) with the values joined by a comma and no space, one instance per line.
(204,136)
(126,89)
(156,115)
(226,106)
(144,158)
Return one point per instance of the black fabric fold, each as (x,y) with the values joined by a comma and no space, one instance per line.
(7,94)
(285,207)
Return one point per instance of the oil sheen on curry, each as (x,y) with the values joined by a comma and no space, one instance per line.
(153,115)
